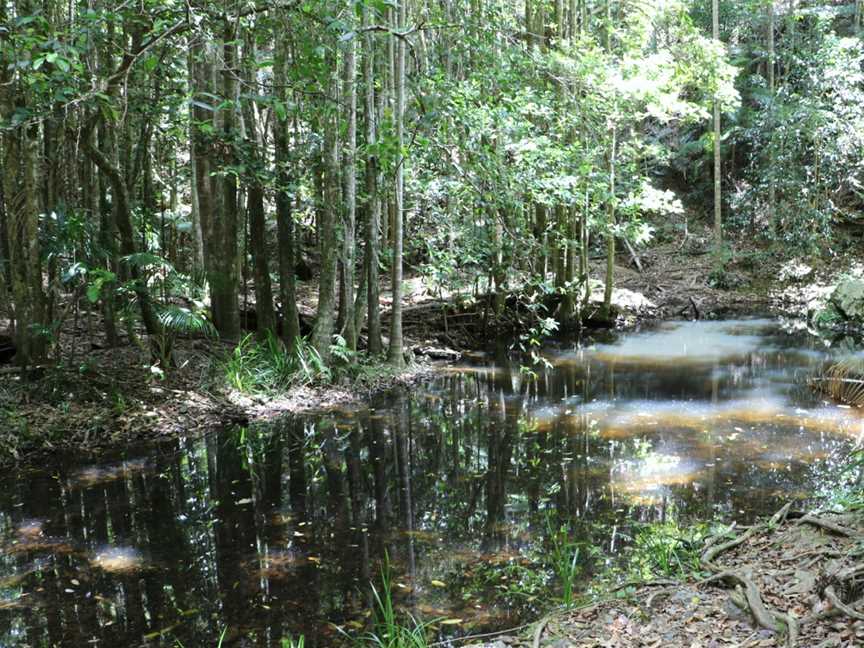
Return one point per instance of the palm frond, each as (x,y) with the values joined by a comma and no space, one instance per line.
(179,319)
(842,381)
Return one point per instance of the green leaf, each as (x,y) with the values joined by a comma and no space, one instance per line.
(94,290)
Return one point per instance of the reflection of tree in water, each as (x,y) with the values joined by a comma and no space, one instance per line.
(278,529)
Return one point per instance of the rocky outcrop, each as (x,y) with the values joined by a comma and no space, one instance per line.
(848,299)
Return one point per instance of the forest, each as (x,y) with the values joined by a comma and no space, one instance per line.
(526,301)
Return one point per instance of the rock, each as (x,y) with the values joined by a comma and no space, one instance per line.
(848,298)
(442,353)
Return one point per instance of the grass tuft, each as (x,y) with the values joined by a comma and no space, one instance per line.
(266,366)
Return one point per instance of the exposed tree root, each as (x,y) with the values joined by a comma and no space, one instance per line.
(832,597)
(828,525)
(748,595)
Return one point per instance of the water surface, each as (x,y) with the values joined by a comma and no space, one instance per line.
(277,530)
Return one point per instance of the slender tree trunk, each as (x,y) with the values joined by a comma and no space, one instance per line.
(718,204)
(224,267)
(772,187)
(559,20)
(197,233)
(373,199)
(107,236)
(610,228)
(21,192)
(21,217)
(349,193)
(284,213)
(328,241)
(396,355)
(266,316)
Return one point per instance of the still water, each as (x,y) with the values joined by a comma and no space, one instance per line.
(277,530)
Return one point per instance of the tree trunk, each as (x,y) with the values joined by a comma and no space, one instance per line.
(718,205)
(284,213)
(266,316)
(223,272)
(349,193)
(21,192)
(373,200)
(772,188)
(610,229)
(107,238)
(328,242)
(396,351)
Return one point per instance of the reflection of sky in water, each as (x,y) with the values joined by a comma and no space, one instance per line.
(673,342)
(686,397)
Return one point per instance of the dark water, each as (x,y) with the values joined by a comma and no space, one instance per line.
(277,530)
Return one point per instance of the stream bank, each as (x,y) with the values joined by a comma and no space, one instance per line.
(96,396)
(792,581)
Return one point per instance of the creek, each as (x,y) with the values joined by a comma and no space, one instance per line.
(278,529)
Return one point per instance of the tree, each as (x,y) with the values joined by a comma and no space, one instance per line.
(396,352)
(286,186)
(372,183)
(349,192)
(718,198)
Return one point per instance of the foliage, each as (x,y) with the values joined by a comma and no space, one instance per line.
(390,630)
(805,142)
(565,559)
(666,549)
(266,366)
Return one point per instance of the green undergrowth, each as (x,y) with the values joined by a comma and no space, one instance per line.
(268,367)
(847,493)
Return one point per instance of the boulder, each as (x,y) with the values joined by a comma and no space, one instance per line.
(848,299)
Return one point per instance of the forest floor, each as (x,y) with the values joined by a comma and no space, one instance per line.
(96,397)
(803,573)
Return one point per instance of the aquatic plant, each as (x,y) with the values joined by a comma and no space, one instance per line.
(564,558)
(391,631)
